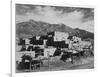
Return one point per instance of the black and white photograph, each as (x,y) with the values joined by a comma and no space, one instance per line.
(53,38)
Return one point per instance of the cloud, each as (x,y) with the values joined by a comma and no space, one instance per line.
(73,17)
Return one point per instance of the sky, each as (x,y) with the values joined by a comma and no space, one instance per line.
(75,17)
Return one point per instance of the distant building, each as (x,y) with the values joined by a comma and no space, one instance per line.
(76,39)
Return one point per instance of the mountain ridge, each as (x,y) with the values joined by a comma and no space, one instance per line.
(36,28)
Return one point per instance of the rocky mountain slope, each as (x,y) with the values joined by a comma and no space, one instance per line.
(33,28)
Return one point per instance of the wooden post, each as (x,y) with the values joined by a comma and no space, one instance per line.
(30,63)
(40,62)
(48,59)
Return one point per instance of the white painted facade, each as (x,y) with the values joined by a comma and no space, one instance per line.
(49,51)
(60,36)
(37,37)
(20,54)
(27,41)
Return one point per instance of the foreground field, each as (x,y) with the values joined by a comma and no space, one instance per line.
(83,63)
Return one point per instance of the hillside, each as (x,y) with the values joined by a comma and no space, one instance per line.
(34,28)
(83,34)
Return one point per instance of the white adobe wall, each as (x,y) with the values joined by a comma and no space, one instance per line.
(37,37)
(59,36)
(49,51)
(20,54)
(27,41)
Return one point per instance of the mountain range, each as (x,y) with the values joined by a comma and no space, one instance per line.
(36,28)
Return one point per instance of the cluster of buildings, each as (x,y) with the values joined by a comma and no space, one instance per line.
(53,44)
(46,45)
